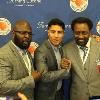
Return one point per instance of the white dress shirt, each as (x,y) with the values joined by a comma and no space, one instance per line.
(81,52)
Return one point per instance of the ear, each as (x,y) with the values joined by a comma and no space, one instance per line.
(13,34)
(48,32)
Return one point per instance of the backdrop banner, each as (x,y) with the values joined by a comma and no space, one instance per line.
(40,12)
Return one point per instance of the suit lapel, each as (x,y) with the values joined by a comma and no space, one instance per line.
(50,49)
(77,60)
(77,55)
(17,56)
(61,52)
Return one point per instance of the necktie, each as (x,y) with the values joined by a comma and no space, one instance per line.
(84,49)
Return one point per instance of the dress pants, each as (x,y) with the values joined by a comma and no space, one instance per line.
(59,95)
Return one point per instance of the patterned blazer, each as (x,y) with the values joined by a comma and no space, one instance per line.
(14,75)
(85,78)
(45,61)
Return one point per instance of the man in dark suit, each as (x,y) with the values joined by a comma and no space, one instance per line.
(16,67)
(49,59)
(84,55)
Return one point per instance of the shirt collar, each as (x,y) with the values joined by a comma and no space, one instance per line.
(54,48)
(88,43)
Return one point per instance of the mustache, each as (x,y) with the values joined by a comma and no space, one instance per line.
(78,39)
(26,40)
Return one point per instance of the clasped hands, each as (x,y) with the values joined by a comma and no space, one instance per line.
(37,75)
(65,63)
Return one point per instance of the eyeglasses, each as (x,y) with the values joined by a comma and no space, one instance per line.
(81,32)
(24,32)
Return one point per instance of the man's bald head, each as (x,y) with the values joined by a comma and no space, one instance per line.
(22,25)
(22,34)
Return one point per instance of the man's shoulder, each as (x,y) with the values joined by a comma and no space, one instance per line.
(5,48)
(94,41)
(43,46)
(69,44)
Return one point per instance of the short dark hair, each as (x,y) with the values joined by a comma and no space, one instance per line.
(82,20)
(56,21)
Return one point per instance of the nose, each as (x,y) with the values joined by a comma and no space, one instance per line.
(56,34)
(81,35)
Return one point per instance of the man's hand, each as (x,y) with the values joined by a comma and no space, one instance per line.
(65,63)
(22,96)
(36,75)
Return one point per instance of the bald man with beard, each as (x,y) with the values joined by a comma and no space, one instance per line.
(16,67)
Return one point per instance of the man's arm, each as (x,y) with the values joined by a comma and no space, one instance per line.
(41,65)
(9,85)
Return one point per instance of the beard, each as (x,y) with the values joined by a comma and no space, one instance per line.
(81,42)
(20,43)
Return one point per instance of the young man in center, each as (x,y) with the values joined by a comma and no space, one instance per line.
(49,58)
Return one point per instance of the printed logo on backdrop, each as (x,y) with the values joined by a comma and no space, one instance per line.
(43,25)
(5,26)
(32,48)
(98,27)
(78,5)
(23,2)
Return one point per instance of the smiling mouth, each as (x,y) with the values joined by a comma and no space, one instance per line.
(81,40)
(26,42)
(56,42)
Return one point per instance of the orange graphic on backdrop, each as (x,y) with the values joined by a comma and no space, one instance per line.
(32,48)
(78,2)
(3,26)
(98,25)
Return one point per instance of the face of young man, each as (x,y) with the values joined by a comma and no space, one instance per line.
(55,35)
(81,33)
(22,36)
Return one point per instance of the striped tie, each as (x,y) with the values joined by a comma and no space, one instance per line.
(84,49)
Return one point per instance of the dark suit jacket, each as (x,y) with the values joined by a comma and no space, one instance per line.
(14,75)
(85,78)
(45,61)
